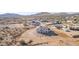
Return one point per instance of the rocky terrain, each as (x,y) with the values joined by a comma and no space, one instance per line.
(45,29)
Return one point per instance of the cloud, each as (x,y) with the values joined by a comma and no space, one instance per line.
(14,6)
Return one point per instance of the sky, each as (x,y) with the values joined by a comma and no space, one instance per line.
(34,6)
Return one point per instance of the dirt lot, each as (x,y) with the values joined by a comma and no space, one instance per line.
(62,39)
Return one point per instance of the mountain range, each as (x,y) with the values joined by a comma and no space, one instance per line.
(9,15)
(39,14)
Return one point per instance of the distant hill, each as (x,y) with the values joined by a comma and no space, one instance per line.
(61,14)
(9,15)
(65,14)
(42,13)
(56,14)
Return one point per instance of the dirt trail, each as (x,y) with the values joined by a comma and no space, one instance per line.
(66,38)
(61,39)
(61,33)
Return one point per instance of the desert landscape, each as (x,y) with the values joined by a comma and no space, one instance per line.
(40,29)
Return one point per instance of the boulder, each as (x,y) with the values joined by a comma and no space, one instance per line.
(45,31)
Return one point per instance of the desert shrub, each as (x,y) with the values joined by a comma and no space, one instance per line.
(23,43)
(35,23)
(76,36)
(74,28)
(8,35)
